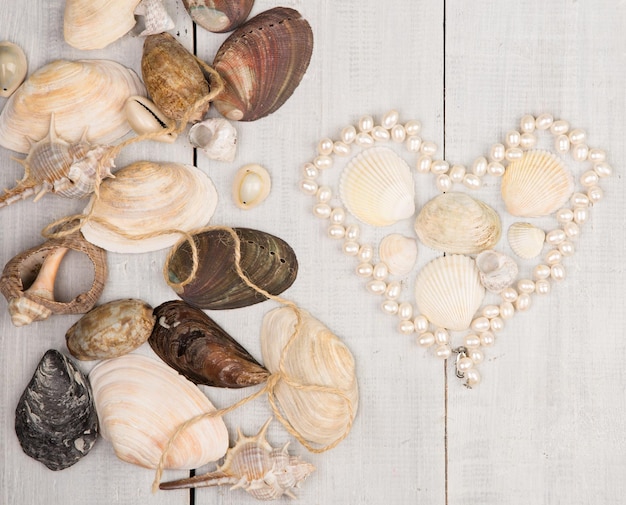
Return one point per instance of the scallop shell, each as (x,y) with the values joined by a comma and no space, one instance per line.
(196,346)
(144,116)
(148,198)
(218,16)
(458,224)
(251,186)
(84,95)
(216,137)
(536,185)
(55,419)
(316,356)
(398,252)
(268,261)
(141,402)
(376,186)
(110,330)
(262,63)
(497,270)
(526,240)
(448,291)
(13,68)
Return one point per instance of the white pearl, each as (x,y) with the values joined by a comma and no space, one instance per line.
(553,257)
(309,171)
(464,364)
(366,252)
(527,124)
(513,154)
(393,291)
(426,339)
(525,286)
(480,324)
(495,169)
(405,311)
(542,287)
(380,134)
(325,146)
(398,133)
(544,121)
(580,152)
(577,136)
(597,155)
(496,153)
(364,270)
(338,216)
(471,341)
(603,169)
(353,232)
(496,324)
(572,230)
(323,162)
(589,178)
(487,339)
(443,183)
(491,311)
(324,194)
(541,272)
(523,302)
(557,272)
(390,119)
(308,186)
(423,164)
(512,138)
(479,167)
(472,181)
(566,248)
(413,127)
(389,307)
(350,248)
(322,210)
(441,336)
(364,140)
(457,172)
(555,237)
(559,127)
(564,215)
(562,144)
(380,271)
(429,148)
(476,355)
(439,167)
(376,287)
(348,134)
(443,351)
(507,311)
(365,123)
(579,200)
(581,214)
(413,144)
(472,378)
(336,231)
(508,294)
(528,140)
(595,194)
(421,324)
(341,148)
(406,327)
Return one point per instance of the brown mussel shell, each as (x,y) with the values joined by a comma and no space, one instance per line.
(262,63)
(268,261)
(196,346)
(218,16)
(173,77)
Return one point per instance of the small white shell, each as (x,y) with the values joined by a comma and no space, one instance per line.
(13,68)
(216,137)
(251,186)
(376,186)
(526,240)
(398,252)
(144,116)
(497,270)
(448,291)
(537,184)
(155,17)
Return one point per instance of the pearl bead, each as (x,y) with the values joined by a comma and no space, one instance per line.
(579,200)
(527,124)
(405,311)
(366,253)
(406,327)
(309,171)
(353,232)
(336,231)
(527,141)
(476,355)
(413,127)
(564,215)
(413,144)
(441,336)
(523,302)
(429,148)
(472,181)
(380,271)
(542,287)
(603,169)
(479,167)
(338,216)
(323,162)
(513,154)
(596,155)
(555,237)
(572,230)
(471,341)
(507,311)
(341,148)
(348,134)
(390,119)
(595,194)
(365,123)
(577,136)
(364,270)
(562,144)
(557,272)
(421,324)
(364,140)
(472,378)
(350,248)
(398,133)
(324,194)
(423,164)
(480,324)
(525,286)
(376,287)
(553,257)
(308,186)
(496,324)
(325,146)
(322,210)
(495,169)
(443,183)
(581,214)
(443,351)
(589,178)
(559,127)
(426,339)
(566,248)
(512,138)
(439,167)
(508,294)
(541,272)
(464,364)
(580,152)
(380,134)
(393,291)
(496,153)
(389,307)
(487,339)
(491,311)
(544,121)
(457,172)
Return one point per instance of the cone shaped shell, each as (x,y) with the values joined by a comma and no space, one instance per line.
(376,186)
(13,68)
(148,198)
(262,63)
(526,240)
(448,291)
(140,403)
(268,261)
(398,252)
(536,185)
(314,357)
(458,224)
(84,95)
(218,16)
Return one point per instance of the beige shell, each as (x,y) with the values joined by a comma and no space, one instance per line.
(13,67)
(456,223)
(147,198)
(497,270)
(144,116)
(315,357)
(526,240)
(84,95)
(156,19)
(251,186)
(536,185)
(216,138)
(376,186)
(448,291)
(398,252)
(140,403)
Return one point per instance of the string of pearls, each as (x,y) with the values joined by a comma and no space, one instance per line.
(489,320)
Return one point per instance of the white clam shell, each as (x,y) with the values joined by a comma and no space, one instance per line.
(537,184)
(459,224)
(251,186)
(141,402)
(215,137)
(315,357)
(144,116)
(147,198)
(13,68)
(526,240)
(448,291)
(84,95)
(497,270)
(398,252)
(376,186)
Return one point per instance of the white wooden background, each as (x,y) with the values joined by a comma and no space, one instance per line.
(547,425)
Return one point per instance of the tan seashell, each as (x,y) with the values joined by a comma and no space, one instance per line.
(216,138)
(218,16)
(140,404)
(448,291)
(13,68)
(536,185)
(316,357)
(251,186)
(456,223)
(376,186)
(526,240)
(146,198)
(84,96)
(398,252)
(497,270)
(144,116)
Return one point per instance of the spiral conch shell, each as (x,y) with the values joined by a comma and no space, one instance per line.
(315,356)
(140,404)
(497,270)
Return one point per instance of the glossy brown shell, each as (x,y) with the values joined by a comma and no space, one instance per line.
(262,63)
(268,261)
(196,346)
(218,16)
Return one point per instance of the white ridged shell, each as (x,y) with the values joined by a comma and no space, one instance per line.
(147,197)
(13,68)
(140,403)
(526,240)
(251,186)
(497,270)
(459,224)
(376,186)
(537,184)
(448,291)
(398,252)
